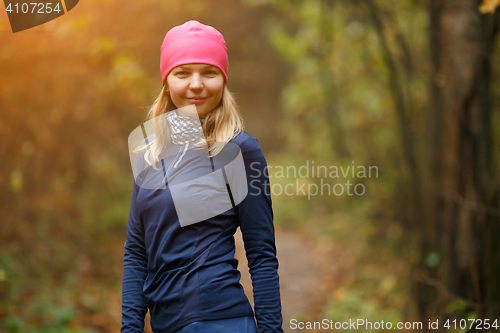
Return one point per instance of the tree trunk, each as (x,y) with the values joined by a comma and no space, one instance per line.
(460,255)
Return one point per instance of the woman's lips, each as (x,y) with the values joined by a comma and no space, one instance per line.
(196,100)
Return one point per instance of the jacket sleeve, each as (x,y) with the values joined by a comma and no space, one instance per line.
(256,222)
(134,306)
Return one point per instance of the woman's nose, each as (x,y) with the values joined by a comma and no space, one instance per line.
(196,82)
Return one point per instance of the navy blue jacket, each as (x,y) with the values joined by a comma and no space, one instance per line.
(187,274)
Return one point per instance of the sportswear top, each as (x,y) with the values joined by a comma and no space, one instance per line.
(186,272)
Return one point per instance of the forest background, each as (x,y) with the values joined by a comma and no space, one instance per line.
(408,86)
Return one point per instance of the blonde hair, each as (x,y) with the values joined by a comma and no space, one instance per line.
(219,126)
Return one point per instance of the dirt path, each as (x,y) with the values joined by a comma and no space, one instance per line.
(310,270)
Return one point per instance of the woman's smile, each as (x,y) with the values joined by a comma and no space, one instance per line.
(196,100)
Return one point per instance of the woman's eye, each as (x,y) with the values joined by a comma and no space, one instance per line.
(182,73)
(211,72)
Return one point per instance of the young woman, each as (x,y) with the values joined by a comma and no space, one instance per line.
(187,203)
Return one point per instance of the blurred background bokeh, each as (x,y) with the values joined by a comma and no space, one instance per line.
(409,87)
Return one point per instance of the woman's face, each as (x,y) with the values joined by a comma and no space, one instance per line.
(198,84)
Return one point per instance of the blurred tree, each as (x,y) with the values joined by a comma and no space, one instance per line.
(461,221)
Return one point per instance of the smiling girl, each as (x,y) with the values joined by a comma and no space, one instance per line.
(186,273)
(198,84)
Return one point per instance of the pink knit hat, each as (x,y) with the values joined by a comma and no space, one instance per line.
(193,43)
